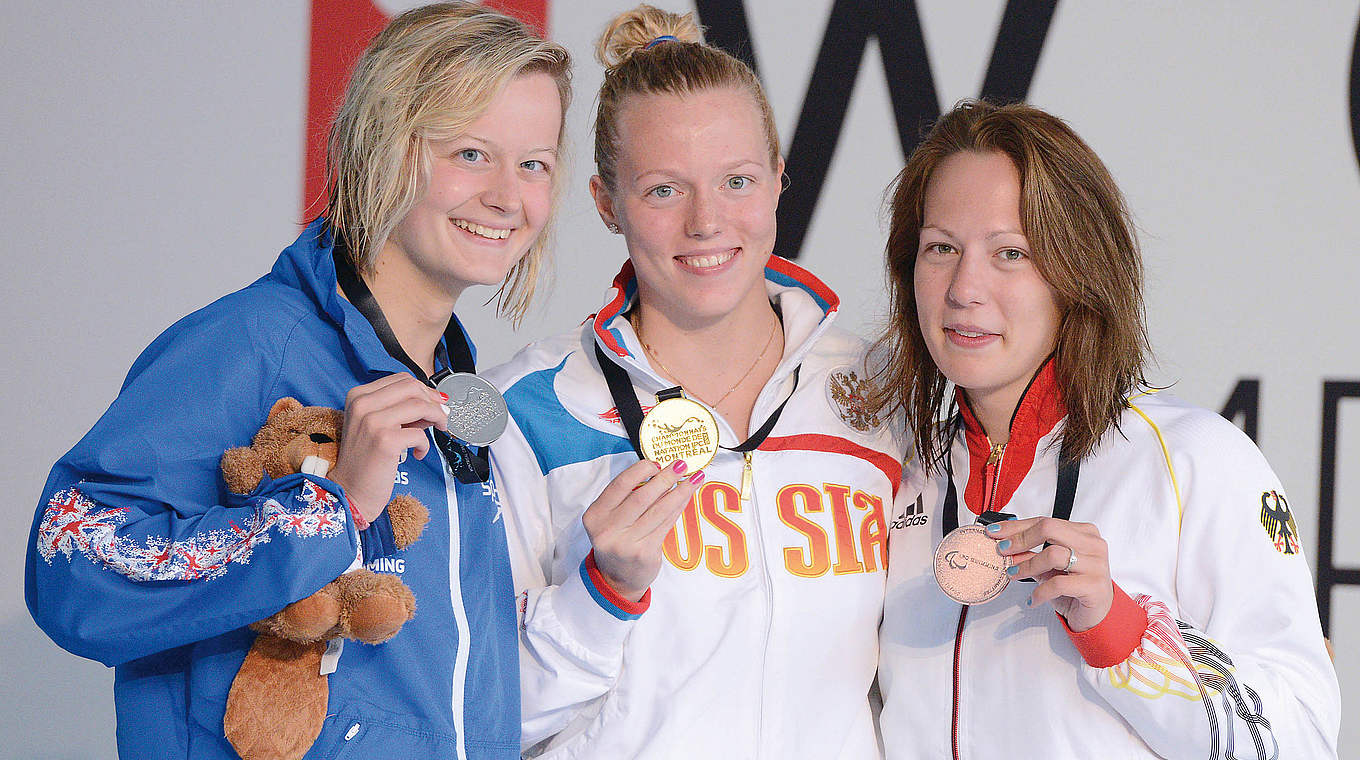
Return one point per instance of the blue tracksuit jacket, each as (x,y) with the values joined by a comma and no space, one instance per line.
(139,558)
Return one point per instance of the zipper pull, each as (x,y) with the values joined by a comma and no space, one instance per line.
(998,450)
(747,480)
(992,475)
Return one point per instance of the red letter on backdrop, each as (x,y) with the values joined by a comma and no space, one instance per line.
(341,29)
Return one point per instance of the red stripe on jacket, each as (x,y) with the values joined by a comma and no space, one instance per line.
(837,445)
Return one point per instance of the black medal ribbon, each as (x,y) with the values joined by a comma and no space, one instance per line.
(630,411)
(1063,497)
(468,464)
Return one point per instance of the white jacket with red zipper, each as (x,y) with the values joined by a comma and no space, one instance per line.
(1212,648)
(761,638)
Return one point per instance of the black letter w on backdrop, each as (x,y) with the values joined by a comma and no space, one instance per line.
(911,87)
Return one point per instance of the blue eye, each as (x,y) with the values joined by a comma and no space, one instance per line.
(534,165)
(738,183)
(663,191)
(470,155)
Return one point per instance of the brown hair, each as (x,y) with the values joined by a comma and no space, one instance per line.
(1083,245)
(638,62)
(427,76)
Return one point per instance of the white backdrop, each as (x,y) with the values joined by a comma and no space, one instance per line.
(152,156)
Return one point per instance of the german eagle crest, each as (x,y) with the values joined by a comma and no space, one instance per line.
(1278,521)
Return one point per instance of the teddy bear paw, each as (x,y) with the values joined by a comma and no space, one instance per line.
(314,618)
(374,606)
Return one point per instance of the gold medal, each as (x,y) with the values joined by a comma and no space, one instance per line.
(678,428)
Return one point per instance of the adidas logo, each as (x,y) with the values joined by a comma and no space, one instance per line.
(915,514)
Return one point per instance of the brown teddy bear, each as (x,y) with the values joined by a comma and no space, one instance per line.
(278,699)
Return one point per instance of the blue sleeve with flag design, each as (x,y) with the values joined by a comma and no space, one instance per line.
(136,547)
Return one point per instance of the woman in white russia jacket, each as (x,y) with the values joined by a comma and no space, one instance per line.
(736,614)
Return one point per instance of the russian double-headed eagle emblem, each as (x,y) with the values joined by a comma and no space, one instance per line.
(848,395)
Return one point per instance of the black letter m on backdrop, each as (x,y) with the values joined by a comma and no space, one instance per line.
(911,87)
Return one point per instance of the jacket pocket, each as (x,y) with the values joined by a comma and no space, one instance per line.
(350,736)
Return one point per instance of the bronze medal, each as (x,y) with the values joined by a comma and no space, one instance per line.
(968,567)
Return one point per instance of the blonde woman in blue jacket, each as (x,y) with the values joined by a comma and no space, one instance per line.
(443,161)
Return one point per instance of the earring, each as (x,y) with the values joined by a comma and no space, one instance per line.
(614,228)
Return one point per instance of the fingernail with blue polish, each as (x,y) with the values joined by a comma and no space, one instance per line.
(1012,517)
(1003,544)
(1029,602)
(1013,570)
(994,527)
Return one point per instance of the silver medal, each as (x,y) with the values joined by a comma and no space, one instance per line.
(477,412)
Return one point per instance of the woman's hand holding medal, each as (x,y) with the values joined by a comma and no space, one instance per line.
(630,519)
(383,419)
(1071,565)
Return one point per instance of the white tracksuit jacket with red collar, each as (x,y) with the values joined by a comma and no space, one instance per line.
(1212,650)
(761,639)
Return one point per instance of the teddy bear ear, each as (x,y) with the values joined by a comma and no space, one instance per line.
(283,406)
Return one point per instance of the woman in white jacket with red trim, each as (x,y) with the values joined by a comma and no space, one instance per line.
(1185,623)
(736,613)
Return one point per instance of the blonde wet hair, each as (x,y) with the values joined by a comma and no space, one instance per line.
(426,77)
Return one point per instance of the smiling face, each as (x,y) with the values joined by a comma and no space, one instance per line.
(695,197)
(487,196)
(989,319)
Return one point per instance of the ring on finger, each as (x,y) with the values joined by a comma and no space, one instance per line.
(1071,560)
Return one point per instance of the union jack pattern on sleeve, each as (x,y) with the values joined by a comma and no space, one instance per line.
(72,523)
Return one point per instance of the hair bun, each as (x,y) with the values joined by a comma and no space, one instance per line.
(631,31)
